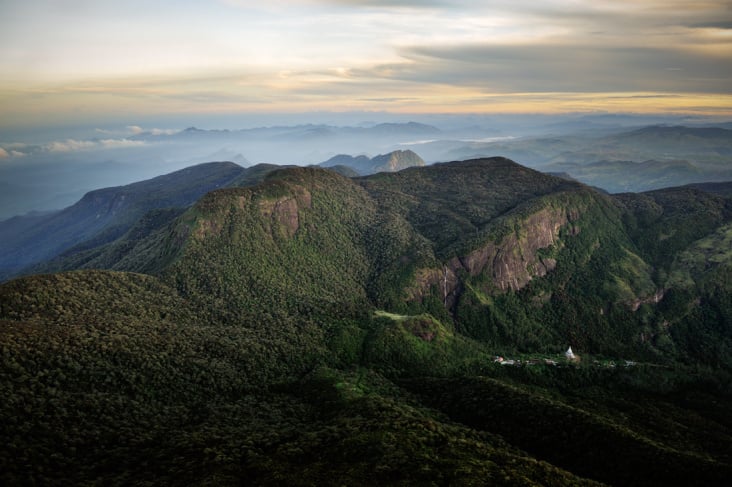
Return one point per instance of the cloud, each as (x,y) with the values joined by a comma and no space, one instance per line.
(393,99)
(714,24)
(296,55)
(6,154)
(397,3)
(163,131)
(119,143)
(416,4)
(562,67)
(16,149)
(69,145)
(137,130)
(72,145)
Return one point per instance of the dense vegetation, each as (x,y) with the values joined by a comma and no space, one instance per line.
(318,330)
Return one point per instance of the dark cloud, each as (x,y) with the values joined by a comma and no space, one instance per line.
(576,68)
(389,100)
(714,24)
(401,3)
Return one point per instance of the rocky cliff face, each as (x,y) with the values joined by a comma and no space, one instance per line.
(515,260)
(510,262)
(283,213)
(277,210)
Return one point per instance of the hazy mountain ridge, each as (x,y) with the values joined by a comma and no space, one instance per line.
(57,174)
(641,159)
(51,175)
(722,189)
(104,215)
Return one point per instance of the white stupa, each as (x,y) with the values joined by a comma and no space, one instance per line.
(569,354)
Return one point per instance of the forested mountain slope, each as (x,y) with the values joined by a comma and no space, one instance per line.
(316,329)
(105,214)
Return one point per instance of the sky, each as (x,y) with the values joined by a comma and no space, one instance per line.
(85,61)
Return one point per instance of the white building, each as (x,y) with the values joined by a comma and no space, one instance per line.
(569,354)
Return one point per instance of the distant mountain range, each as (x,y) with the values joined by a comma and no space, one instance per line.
(389,130)
(53,176)
(642,159)
(721,189)
(706,147)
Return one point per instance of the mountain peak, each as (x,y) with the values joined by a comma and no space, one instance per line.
(396,161)
(389,162)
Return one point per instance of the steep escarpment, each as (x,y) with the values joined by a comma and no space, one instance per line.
(507,263)
(495,218)
(514,260)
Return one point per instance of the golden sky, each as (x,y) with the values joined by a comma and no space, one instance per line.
(64,61)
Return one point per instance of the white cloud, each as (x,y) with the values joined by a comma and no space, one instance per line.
(10,150)
(164,131)
(72,145)
(137,130)
(69,145)
(120,143)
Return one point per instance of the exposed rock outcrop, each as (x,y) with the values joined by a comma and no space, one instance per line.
(285,211)
(515,260)
(510,263)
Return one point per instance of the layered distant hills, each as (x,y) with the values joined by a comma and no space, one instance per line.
(635,160)
(617,154)
(292,325)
